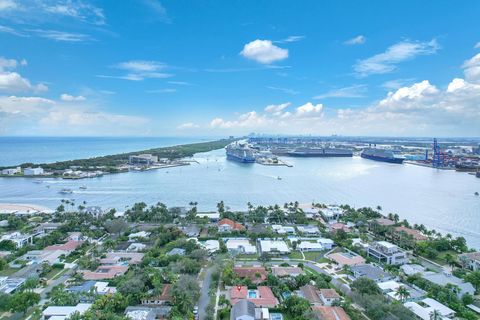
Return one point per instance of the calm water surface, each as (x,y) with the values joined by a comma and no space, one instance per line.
(443,200)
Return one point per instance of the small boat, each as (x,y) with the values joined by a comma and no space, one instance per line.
(66,191)
(476,193)
(38,181)
(83,187)
(279,178)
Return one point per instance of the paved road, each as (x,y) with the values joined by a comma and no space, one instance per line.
(204,298)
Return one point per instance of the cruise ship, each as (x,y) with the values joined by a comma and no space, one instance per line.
(381,155)
(240,151)
(320,152)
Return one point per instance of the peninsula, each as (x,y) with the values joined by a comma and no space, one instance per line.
(92,167)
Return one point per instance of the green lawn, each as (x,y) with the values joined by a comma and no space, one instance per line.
(295,255)
(8,271)
(315,256)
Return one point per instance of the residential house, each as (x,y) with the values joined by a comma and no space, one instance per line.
(308,230)
(243,310)
(386,252)
(41,256)
(390,289)
(271,246)
(326,243)
(19,239)
(68,247)
(425,308)
(176,252)
(334,227)
(105,272)
(33,171)
(309,246)
(470,260)
(287,271)
(443,278)
(347,258)
(329,296)
(139,235)
(330,313)
(98,287)
(227,225)
(255,274)
(147,313)
(240,246)
(283,229)
(384,222)
(10,285)
(415,234)
(210,245)
(411,269)
(311,293)
(64,312)
(11,171)
(331,213)
(165,298)
(261,297)
(371,272)
(212,216)
(136,247)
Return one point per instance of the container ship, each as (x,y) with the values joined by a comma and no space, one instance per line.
(381,155)
(320,152)
(241,152)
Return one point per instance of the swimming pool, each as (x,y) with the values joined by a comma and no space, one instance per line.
(252,294)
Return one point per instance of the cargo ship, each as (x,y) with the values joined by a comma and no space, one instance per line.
(241,152)
(381,155)
(320,152)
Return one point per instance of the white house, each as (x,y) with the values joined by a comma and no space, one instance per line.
(211,245)
(62,313)
(137,235)
(309,230)
(11,171)
(309,246)
(326,243)
(33,171)
(428,306)
(273,246)
(241,246)
(18,238)
(331,213)
(386,252)
(283,229)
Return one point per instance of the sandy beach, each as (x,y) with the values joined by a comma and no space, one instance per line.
(21,207)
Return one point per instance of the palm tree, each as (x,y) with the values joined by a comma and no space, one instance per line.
(435,315)
(449,259)
(402,293)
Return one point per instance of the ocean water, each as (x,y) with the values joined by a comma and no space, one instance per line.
(17,150)
(442,200)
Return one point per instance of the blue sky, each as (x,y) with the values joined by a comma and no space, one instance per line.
(214,68)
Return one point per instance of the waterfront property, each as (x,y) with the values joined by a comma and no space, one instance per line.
(386,252)
(227,225)
(142,160)
(33,171)
(470,260)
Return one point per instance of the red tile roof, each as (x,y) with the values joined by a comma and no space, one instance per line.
(330,313)
(233,225)
(255,274)
(105,272)
(339,226)
(68,246)
(329,294)
(160,299)
(265,298)
(310,293)
(417,235)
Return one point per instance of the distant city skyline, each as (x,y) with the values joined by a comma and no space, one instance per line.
(219,68)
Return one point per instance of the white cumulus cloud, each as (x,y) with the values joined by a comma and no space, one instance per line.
(13,82)
(264,51)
